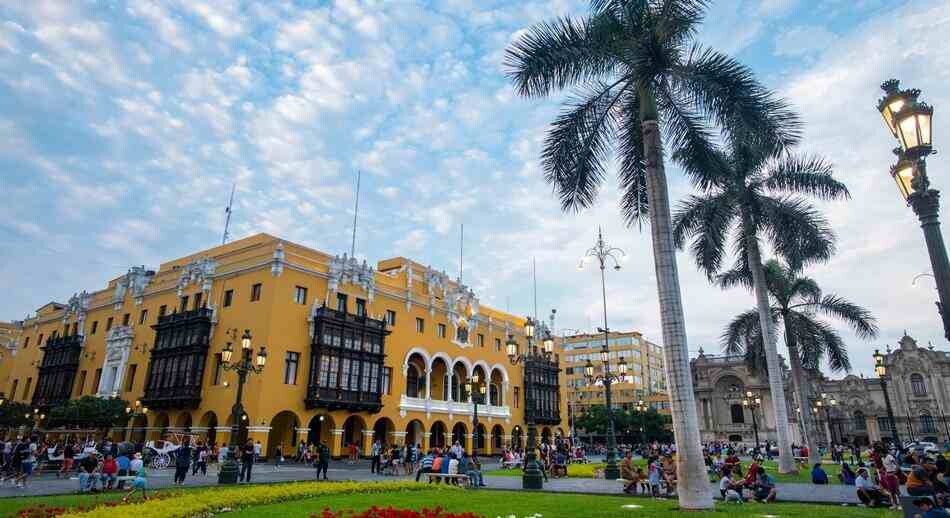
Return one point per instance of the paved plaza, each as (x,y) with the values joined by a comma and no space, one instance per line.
(48,484)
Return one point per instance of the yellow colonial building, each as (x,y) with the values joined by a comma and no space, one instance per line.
(354,352)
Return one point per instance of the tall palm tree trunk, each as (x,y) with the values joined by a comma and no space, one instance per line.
(786,463)
(801,392)
(693,488)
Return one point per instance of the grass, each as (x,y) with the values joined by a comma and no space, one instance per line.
(771,467)
(12,505)
(521,504)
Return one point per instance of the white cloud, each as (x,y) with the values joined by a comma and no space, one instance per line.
(803,40)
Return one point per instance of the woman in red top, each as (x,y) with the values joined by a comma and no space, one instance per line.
(110,468)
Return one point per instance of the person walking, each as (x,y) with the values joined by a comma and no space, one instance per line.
(426,465)
(278,457)
(323,460)
(376,452)
(247,461)
(69,454)
(201,460)
(182,463)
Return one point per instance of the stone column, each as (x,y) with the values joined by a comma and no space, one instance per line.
(336,443)
(425,441)
(470,443)
(368,443)
(222,434)
(259,433)
(398,438)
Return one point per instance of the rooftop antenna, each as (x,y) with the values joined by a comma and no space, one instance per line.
(356,211)
(227,218)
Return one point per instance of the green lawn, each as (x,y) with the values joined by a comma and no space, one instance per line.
(492,504)
(11,506)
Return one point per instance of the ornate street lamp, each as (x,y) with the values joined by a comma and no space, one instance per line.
(244,366)
(826,403)
(476,387)
(881,371)
(605,254)
(910,121)
(641,409)
(532,477)
(133,411)
(753,401)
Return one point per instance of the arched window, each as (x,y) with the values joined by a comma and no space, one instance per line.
(413,380)
(859,422)
(493,393)
(917,385)
(927,424)
(738,416)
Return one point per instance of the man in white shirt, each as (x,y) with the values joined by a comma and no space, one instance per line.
(868,493)
(729,491)
(257,450)
(135,465)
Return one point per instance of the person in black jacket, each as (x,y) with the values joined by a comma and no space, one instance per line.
(247,461)
(182,462)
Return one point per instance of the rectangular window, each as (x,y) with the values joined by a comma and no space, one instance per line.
(256,292)
(300,295)
(216,377)
(480,340)
(341,302)
(497,344)
(517,396)
(98,378)
(13,389)
(26,342)
(26,389)
(82,383)
(143,316)
(391,317)
(197,303)
(387,380)
(183,305)
(130,381)
(108,323)
(125,319)
(441,330)
(228,298)
(420,325)
(162,310)
(360,308)
(95,327)
(345,366)
(290,368)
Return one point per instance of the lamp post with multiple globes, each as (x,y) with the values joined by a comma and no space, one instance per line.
(244,366)
(135,410)
(910,122)
(753,401)
(532,477)
(476,388)
(881,371)
(827,402)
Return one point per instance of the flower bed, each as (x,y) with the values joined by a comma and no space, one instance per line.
(390,512)
(188,505)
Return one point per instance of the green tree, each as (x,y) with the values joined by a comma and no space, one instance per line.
(638,74)
(89,412)
(754,195)
(15,415)
(654,425)
(798,302)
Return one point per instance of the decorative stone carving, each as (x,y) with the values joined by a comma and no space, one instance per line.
(200,271)
(277,267)
(134,281)
(436,283)
(118,346)
(78,305)
(347,270)
(461,304)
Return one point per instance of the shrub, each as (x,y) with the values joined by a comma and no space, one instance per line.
(390,512)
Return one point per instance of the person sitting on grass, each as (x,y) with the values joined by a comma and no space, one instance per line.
(869,494)
(847,476)
(818,475)
(730,491)
(929,509)
(628,475)
(763,487)
(918,482)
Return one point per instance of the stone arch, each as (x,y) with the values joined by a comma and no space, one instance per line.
(414,431)
(139,423)
(416,366)
(497,437)
(438,375)
(283,433)
(437,435)
(420,352)
(496,387)
(481,440)
(460,434)
(353,429)
(440,356)
(457,382)
(517,437)
(501,369)
(209,421)
(321,429)
(464,361)
(383,430)
(183,421)
(486,370)
(160,426)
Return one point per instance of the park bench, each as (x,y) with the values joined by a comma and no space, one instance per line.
(463,479)
(510,464)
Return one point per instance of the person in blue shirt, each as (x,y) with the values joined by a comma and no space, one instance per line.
(818,475)
(123,462)
(927,506)
(847,474)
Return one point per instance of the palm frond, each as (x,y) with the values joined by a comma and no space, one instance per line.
(578,145)
(631,176)
(797,231)
(743,336)
(805,175)
(554,55)
(817,340)
(740,275)
(856,317)
(686,133)
(726,90)
(707,220)
(678,19)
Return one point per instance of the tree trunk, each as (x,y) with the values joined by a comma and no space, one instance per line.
(801,392)
(693,488)
(786,463)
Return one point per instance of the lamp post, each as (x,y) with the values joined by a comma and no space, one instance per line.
(881,372)
(604,255)
(532,477)
(826,403)
(476,388)
(244,366)
(133,411)
(753,401)
(641,409)
(910,122)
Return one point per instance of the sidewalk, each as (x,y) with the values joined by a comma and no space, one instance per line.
(263,473)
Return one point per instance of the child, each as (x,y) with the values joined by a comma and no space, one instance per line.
(642,484)
(140,482)
(653,477)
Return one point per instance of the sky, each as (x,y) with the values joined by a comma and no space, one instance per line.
(123,126)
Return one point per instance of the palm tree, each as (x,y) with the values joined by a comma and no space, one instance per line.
(797,301)
(748,198)
(636,71)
